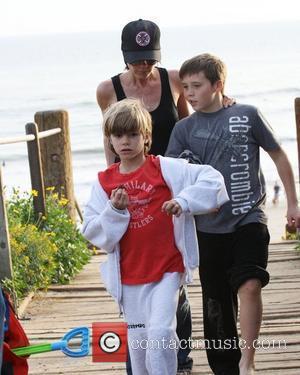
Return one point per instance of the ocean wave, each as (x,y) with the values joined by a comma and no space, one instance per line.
(11,109)
(287,90)
(96,152)
(12,158)
(288,139)
(88,151)
(82,104)
(21,156)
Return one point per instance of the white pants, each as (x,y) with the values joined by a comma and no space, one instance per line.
(150,312)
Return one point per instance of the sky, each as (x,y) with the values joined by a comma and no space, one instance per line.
(21,17)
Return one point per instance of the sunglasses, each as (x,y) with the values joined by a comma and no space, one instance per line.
(143,62)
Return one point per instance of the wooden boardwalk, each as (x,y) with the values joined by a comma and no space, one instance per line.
(49,316)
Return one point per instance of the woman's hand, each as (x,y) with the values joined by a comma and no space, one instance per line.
(119,198)
(228,102)
(172,207)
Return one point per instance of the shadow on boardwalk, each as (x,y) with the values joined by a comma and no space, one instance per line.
(85,301)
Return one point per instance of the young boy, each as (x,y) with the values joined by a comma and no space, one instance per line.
(140,212)
(233,243)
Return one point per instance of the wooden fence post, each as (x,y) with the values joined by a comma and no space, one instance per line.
(297,113)
(56,156)
(5,256)
(36,174)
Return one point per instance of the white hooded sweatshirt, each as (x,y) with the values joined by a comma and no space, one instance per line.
(198,189)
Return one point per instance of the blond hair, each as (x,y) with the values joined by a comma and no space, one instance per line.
(126,116)
(213,68)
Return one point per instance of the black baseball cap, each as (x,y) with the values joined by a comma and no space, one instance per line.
(141,41)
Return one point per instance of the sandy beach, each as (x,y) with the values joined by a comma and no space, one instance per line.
(276,219)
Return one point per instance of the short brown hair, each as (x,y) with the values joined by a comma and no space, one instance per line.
(125,116)
(213,68)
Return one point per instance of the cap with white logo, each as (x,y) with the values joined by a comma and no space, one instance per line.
(141,41)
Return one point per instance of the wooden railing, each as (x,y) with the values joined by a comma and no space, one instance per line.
(27,138)
(50,165)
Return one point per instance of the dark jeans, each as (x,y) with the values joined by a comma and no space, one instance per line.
(226,262)
(184,329)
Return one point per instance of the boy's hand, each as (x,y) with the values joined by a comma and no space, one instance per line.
(119,198)
(228,102)
(172,207)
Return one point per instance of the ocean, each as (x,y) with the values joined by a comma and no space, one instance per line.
(62,71)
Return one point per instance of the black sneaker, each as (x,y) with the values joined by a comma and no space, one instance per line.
(185,368)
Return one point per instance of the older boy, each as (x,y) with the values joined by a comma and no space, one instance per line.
(234,243)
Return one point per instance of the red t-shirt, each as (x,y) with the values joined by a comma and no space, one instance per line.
(148,248)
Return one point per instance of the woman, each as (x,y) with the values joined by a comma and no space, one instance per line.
(161,92)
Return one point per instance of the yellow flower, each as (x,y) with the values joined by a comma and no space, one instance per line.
(94,250)
(34,193)
(50,188)
(63,201)
(50,234)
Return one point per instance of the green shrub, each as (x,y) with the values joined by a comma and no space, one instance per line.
(50,250)
(72,248)
(33,258)
(291,233)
